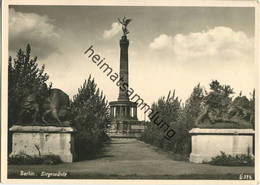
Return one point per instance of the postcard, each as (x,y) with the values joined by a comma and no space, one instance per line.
(151,92)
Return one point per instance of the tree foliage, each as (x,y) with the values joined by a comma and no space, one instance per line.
(219,97)
(192,106)
(169,109)
(25,77)
(90,110)
(252,108)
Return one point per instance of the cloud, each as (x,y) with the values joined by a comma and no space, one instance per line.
(34,29)
(219,43)
(115,29)
(162,42)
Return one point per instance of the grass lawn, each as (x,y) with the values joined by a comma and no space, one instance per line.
(132,159)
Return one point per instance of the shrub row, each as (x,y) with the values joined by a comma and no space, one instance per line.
(22,159)
(229,160)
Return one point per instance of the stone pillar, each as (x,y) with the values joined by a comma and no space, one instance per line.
(112,112)
(117,111)
(129,128)
(123,74)
(135,112)
(121,111)
(125,111)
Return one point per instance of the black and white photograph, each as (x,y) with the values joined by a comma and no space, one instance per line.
(130,91)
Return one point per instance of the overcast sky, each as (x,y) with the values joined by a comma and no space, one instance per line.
(170,47)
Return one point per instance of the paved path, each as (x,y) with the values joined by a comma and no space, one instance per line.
(132,157)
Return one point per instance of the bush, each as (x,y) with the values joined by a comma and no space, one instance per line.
(22,159)
(229,160)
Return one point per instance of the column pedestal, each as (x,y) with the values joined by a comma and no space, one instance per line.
(43,140)
(208,143)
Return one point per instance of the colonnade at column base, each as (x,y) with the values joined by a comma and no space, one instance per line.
(124,121)
(128,129)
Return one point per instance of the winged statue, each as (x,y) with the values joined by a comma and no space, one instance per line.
(125,21)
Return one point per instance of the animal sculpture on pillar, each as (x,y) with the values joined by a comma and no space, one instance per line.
(52,108)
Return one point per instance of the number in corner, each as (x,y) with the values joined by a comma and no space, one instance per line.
(245,176)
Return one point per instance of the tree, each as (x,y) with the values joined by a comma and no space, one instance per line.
(244,108)
(252,108)
(186,120)
(215,86)
(24,78)
(169,108)
(216,102)
(193,106)
(90,112)
(219,97)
